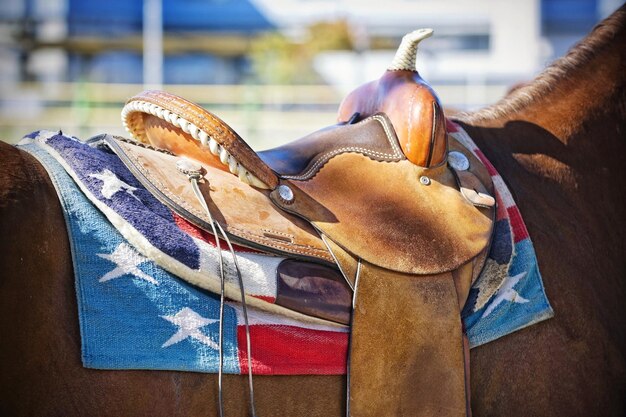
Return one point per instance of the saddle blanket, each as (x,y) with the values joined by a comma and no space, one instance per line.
(136,314)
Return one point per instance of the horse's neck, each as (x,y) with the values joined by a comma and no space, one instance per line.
(580,153)
(572,90)
(569,125)
(561,142)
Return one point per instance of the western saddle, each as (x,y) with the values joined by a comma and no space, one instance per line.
(377,198)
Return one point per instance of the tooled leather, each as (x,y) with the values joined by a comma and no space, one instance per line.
(159,171)
(383,146)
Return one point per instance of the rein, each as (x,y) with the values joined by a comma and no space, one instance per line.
(194,171)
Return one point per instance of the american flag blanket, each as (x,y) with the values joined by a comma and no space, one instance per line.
(129,251)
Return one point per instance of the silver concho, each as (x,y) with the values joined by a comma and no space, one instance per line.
(458,161)
(189,167)
(285,193)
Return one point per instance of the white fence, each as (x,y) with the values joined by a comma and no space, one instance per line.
(264,115)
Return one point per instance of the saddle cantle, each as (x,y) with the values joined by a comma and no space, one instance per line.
(385,195)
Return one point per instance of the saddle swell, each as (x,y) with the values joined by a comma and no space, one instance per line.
(420,128)
(401,209)
(408,101)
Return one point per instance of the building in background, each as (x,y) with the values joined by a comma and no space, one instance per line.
(208,42)
(53,53)
(101,41)
(477,44)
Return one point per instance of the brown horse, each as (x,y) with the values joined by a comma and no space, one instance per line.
(559,142)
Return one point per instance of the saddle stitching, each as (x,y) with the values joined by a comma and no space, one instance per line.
(391,157)
(277,233)
(311,249)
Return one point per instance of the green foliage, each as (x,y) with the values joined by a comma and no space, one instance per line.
(279,60)
(324,36)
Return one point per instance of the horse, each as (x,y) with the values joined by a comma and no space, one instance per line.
(560,145)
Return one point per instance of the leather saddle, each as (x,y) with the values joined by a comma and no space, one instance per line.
(392,211)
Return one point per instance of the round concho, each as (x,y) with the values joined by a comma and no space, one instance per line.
(458,161)
(188,167)
(285,194)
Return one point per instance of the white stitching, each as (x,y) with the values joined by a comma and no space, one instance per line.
(367,152)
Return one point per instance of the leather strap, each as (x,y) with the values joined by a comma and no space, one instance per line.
(406,346)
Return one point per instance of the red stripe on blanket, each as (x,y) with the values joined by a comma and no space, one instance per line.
(451,126)
(193,230)
(517,224)
(266,298)
(287,350)
(501,212)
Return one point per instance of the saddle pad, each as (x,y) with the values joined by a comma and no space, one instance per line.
(138,337)
(508,295)
(135,315)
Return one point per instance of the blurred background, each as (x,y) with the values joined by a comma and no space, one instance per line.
(273,69)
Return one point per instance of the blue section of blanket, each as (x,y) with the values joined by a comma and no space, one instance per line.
(104,175)
(519,302)
(135,315)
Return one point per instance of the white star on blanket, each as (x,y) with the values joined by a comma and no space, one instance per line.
(189,323)
(507,293)
(126,261)
(111,184)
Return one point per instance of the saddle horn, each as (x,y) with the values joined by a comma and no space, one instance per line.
(409,102)
(405,57)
